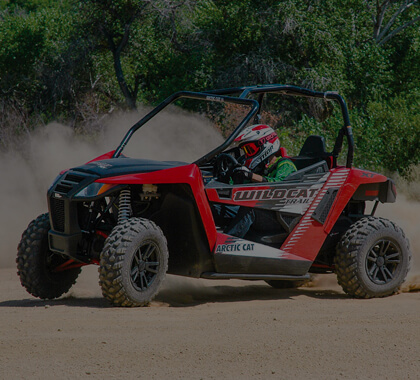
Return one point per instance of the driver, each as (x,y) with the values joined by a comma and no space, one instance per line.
(263,163)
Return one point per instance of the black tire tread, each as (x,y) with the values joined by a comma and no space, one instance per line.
(30,263)
(110,268)
(347,252)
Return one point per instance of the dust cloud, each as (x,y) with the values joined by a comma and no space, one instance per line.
(26,174)
(406,214)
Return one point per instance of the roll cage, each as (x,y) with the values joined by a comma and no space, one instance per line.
(242,98)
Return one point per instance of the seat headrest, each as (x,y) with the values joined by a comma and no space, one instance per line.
(313,146)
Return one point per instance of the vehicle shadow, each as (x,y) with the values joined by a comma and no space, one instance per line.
(225,293)
(93,302)
(188,297)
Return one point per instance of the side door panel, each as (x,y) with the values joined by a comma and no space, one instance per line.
(291,201)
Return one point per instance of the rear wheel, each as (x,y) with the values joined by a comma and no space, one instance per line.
(37,264)
(133,263)
(372,259)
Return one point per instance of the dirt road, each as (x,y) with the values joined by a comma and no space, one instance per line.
(197,329)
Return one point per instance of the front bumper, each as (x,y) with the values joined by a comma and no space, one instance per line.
(65,236)
(67,245)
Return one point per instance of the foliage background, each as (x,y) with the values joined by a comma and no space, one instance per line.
(75,61)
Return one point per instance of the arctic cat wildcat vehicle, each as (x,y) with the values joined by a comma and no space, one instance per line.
(139,219)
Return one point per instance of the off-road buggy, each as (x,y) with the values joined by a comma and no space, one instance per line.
(139,219)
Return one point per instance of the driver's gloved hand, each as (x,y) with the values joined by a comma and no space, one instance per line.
(242,172)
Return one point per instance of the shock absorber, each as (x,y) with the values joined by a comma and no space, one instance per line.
(124,211)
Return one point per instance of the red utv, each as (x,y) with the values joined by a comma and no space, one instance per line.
(139,219)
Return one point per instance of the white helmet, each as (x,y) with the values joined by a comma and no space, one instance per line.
(259,142)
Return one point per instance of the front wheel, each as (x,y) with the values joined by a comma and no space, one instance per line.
(37,264)
(372,259)
(133,263)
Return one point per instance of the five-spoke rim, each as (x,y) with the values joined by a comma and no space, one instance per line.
(145,265)
(382,261)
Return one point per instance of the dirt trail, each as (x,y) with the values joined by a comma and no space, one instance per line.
(198,329)
(195,329)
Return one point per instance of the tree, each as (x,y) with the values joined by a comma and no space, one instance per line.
(43,66)
(397,21)
(110,22)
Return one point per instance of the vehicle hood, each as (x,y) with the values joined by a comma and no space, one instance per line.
(122,165)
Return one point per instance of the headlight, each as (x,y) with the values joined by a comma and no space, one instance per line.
(94,189)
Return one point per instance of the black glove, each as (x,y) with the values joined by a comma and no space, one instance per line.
(242,172)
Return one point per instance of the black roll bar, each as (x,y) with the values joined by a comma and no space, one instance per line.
(224,95)
(346,130)
(200,96)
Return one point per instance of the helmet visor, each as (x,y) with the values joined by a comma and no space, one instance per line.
(250,149)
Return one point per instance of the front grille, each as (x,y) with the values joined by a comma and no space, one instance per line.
(57,214)
(69,182)
(63,188)
(74,178)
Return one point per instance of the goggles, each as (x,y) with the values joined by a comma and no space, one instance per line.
(250,149)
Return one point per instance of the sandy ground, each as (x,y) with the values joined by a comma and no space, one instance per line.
(203,329)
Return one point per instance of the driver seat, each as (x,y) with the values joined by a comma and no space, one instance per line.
(313,151)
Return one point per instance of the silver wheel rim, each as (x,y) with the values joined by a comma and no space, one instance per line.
(144,266)
(383,261)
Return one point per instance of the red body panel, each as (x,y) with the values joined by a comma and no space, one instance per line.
(355,178)
(188,174)
(309,235)
(105,156)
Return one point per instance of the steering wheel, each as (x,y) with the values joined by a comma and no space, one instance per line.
(223,167)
